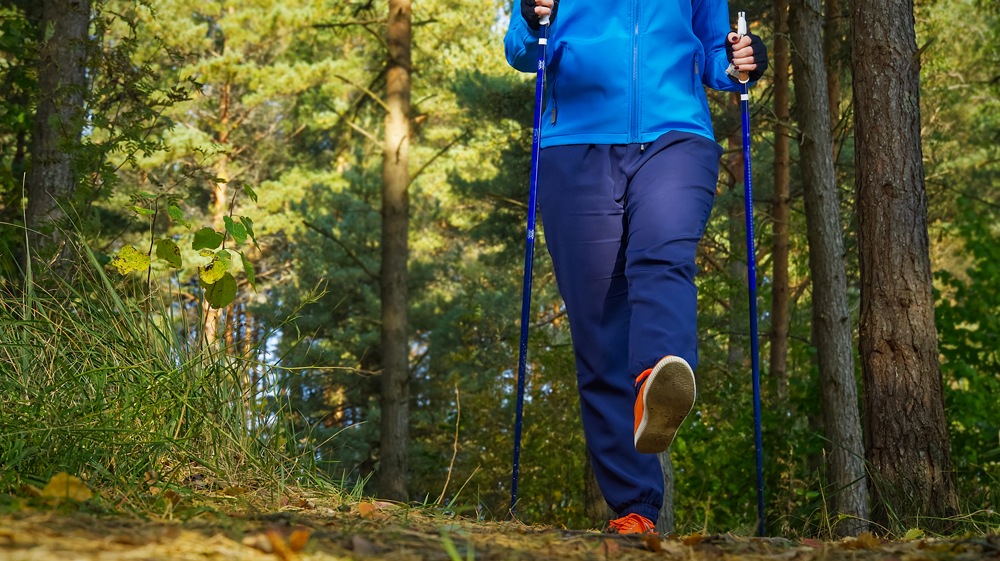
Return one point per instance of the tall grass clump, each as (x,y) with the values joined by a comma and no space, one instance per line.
(121,388)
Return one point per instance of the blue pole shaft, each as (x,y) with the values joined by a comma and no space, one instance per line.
(752,281)
(529,257)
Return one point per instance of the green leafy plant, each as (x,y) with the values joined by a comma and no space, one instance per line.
(216,276)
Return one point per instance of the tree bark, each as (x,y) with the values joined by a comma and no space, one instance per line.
(395,228)
(830,317)
(780,207)
(832,36)
(906,436)
(665,524)
(61,82)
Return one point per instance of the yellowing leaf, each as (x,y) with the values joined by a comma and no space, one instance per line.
(65,486)
(913,534)
(234,491)
(130,259)
(213,272)
(865,541)
(297,541)
(693,539)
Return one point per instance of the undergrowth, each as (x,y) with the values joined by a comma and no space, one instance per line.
(121,390)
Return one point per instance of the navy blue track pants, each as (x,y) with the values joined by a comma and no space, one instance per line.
(622,224)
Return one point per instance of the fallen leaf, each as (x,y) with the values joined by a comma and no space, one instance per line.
(283,501)
(306,505)
(281,548)
(234,491)
(370,511)
(31,490)
(609,546)
(812,543)
(652,542)
(693,539)
(65,486)
(913,534)
(383,504)
(865,541)
(298,539)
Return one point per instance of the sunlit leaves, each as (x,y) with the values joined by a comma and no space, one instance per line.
(221,293)
(248,224)
(211,273)
(248,269)
(169,252)
(250,192)
(236,229)
(177,215)
(206,238)
(130,259)
(141,211)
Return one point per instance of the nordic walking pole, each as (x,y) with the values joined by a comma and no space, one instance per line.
(741,30)
(529,257)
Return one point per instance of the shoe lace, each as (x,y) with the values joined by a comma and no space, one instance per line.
(633,523)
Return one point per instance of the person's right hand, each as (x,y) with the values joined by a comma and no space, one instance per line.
(533,10)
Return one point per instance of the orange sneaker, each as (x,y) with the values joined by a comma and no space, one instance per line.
(633,524)
(665,399)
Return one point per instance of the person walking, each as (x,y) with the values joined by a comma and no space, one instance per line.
(629,166)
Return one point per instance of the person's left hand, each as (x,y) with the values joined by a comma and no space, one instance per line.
(748,54)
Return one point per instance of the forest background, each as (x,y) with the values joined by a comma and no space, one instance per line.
(266,121)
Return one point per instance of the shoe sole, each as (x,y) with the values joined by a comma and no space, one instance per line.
(667,397)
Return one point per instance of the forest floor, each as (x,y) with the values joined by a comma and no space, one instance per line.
(233,525)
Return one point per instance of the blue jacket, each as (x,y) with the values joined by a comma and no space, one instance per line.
(626,72)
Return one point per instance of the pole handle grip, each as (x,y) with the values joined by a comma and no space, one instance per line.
(741,30)
(544,20)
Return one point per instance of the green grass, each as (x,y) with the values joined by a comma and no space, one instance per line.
(113,387)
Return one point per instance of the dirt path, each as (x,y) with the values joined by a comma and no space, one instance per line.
(382,531)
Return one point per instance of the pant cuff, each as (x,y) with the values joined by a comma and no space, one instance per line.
(647,511)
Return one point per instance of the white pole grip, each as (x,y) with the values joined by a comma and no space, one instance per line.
(544,20)
(741,30)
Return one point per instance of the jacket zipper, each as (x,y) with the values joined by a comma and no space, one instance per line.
(634,113)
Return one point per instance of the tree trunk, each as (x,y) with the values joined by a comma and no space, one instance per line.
(395,227)
(830,317)
(736,227)
(832,36)
(906,436)
(61,81)
(780,207)
(595,508)
(665,524)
